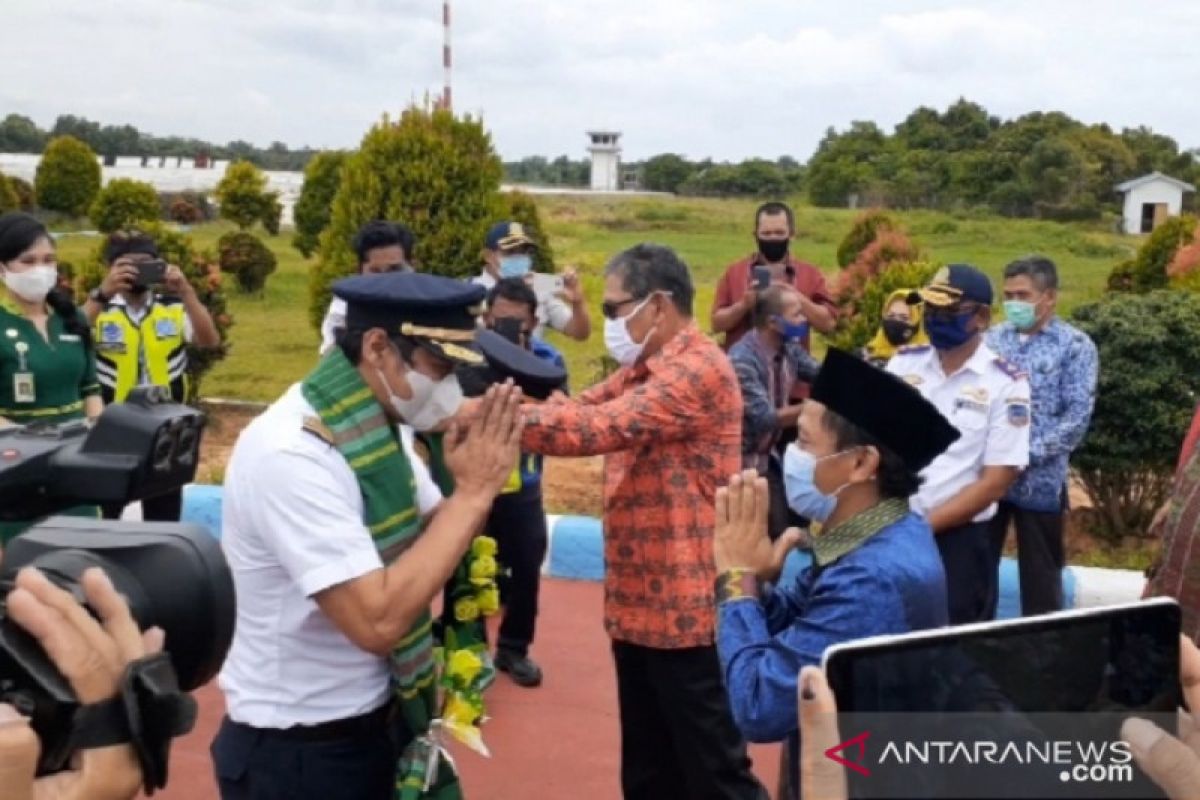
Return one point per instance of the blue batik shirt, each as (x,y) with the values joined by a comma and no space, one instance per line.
(1062,366)
(891,582)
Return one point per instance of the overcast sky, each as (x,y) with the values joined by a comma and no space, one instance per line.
(721,78)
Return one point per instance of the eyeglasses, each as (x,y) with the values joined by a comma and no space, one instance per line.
(611,308)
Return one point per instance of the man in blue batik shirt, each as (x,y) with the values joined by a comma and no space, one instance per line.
(863,438)
(1062,365)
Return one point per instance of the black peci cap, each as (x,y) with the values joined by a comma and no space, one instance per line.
(537,377)
(440,314)
(885,407)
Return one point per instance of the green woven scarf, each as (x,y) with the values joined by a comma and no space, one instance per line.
(368,441)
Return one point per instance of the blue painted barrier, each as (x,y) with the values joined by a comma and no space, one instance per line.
(576,552)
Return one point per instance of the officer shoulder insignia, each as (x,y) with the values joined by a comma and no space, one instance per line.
(318,429)
(1010,369)
(909,349)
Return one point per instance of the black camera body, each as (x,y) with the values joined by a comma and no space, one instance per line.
(172,575)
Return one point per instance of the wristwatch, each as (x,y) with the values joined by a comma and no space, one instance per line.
(99,296)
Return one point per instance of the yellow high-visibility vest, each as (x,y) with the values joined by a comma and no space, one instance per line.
(157,346)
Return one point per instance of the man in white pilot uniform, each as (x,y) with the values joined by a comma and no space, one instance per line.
(310,709)
(987,400)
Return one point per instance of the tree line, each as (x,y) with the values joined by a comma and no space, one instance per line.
(20,134)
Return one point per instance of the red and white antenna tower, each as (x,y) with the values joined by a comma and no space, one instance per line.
(446,53)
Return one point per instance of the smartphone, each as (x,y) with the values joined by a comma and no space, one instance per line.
(510,328)
(152,272)
(1014,709)
(1117,658)
(762,277)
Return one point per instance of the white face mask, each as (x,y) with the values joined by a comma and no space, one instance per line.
(432,403)
(33,284)
(621,346)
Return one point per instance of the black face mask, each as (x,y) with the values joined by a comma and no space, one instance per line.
(897,331)
(773,250)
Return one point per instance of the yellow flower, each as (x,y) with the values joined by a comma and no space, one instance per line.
(465,609)
(483,570)
(483,546)
(488,600)
(464,666)
(459,717)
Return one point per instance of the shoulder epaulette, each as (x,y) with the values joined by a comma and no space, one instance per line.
(1010,369)
(909,349)
(317,428)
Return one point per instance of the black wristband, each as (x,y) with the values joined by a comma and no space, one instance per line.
(99,296)
(148,713)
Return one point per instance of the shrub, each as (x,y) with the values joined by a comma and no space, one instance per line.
(26,200)
(272,212)
(523,209)
(312,209)
(124,203)
(184,213)
(1143,404)
(859,314)
(889,248)
(176,248)
(1184,271)
(242,194)
(68,177)
(864,231)
(173,206)
(437,173)
(9,200)
(247,259)
(1148,271)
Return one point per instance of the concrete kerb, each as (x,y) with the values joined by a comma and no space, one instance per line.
(576,552)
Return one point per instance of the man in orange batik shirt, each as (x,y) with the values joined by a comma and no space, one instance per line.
(669,425)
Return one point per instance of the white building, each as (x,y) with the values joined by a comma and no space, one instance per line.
(1149,200)
(606,160)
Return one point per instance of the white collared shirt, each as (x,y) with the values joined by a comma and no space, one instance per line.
(293,526)
(335,318)
(987,400)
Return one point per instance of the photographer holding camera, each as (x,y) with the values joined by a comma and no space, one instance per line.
(145,314)
(92,654)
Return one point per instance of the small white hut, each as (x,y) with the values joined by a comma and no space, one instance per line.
(1151,199)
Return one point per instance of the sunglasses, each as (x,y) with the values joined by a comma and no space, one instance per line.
(612,308)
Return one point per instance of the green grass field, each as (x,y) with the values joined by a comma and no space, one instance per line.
(273,344)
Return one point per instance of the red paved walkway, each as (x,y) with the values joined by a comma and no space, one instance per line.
(557,741)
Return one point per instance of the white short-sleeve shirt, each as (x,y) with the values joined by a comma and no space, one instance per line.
(293,526)
(335,318)
(987,400)
(552,310)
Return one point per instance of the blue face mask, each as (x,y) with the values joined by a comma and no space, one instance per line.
(799,483)
(792,331)
(516,266)
(947,334)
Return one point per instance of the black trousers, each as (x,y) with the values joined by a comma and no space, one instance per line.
(972,582)
(264,764)
(518,524)
(1040,556)
(165,507)
(678,737)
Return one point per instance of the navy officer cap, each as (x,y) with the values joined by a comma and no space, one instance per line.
(439,314)
(888,409)
(537,377)
(953,284)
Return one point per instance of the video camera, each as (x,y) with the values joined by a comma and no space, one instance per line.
(173,576)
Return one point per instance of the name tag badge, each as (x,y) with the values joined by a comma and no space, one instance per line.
(165,328)
(23,388)
(966,404)
(68,337)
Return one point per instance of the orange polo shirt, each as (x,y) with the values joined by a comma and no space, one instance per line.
(670,431)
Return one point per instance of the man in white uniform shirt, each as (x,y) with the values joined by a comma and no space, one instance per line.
(987,399)
(380,247)
(338,541)
(508,253)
